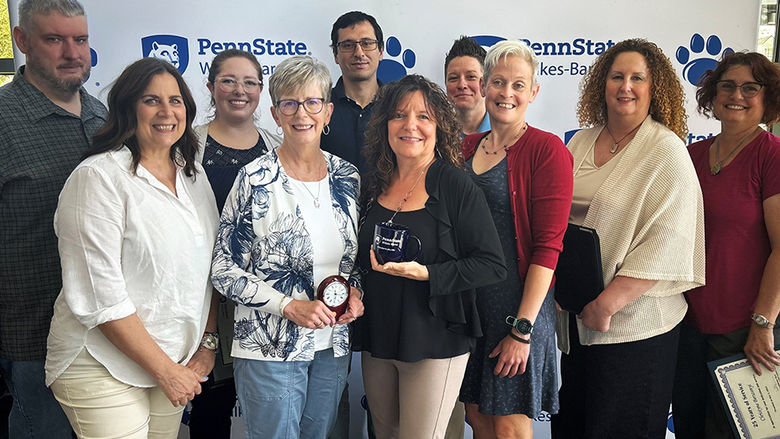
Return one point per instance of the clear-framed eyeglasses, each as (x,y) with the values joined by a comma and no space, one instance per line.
(349,46)
(748,89)
(229,85)
(288,107)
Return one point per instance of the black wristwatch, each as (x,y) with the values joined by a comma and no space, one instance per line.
(522,326)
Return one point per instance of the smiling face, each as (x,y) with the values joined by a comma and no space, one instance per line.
(240,104)
(160,113)
(411,130)
(628,90)
(303,128)
(734,107)
(509,90)
(464,83)
(57,52)
(358,65)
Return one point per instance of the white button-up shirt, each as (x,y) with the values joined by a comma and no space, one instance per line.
(129,245)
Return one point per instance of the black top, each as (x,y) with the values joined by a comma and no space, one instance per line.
(347,126)
(467,253)
(222,164)
(397,308)
(40,145)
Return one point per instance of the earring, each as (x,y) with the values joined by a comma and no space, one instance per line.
(326,130)
(279,130)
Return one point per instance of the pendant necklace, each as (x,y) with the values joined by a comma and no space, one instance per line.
(718,166)
(522,130)
(317,198)
(616,143)
(409,192)
(305,186)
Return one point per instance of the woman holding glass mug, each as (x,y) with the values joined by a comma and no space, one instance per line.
(421,318)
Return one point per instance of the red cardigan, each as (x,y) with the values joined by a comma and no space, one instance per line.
(541,176)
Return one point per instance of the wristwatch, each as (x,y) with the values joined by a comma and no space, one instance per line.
(210,341)
(523,326)
(762,321)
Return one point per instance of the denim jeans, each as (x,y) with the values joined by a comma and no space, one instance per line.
(290,399)
(35,413)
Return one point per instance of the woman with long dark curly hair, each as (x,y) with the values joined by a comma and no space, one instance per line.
(420,319)
(635,185)
(739,172)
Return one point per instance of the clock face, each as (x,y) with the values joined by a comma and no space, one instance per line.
(335,294)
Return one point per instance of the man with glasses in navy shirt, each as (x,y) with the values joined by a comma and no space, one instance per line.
(358,46)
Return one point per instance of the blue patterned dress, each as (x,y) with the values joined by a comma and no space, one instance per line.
(537,388)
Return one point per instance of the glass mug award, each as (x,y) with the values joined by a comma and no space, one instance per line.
(390,243)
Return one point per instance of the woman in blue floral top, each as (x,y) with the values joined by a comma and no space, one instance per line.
(289,222)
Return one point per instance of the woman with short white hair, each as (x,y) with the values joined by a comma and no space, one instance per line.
(526,176)
(289,223)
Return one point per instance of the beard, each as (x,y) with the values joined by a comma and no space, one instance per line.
(41,71)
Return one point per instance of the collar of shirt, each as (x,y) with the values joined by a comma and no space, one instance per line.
(39,106)
(338,92)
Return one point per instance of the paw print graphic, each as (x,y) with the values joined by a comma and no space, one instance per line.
(695,68)
(391,70)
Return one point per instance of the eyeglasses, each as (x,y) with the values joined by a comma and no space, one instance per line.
(349,46)
(288,107)
(229,85)
(748,89)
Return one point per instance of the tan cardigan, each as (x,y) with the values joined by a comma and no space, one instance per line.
(650,220)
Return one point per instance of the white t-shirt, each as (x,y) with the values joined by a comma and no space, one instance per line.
(325,239)
(129,245)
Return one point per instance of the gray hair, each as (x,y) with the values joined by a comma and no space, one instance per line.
(297,72)
(30,8)
(503,49)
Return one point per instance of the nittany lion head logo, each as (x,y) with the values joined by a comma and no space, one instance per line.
(171,48)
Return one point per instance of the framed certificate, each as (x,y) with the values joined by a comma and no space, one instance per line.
(752,401)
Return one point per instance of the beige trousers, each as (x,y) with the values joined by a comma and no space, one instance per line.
(412,400)
(99,406)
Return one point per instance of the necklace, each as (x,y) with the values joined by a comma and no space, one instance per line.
(409,192)
(484,148)
(317,198)
(718,166)
(303,183)
(616,143)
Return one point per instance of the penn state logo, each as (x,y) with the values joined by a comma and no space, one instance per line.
(171,48)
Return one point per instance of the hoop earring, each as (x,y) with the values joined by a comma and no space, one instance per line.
(326,130)
(279,130)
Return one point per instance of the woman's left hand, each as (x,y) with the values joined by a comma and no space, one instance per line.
(512,357)
(410,270)
(202,362)
(354,307)
(759,349)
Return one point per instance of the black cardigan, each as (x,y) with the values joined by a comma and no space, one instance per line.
(469,251)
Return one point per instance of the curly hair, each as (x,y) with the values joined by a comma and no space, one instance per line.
(121,122)
(763,70)
(666,92)
(380,159)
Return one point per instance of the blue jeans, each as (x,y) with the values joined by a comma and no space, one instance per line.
(35,413)
(290,399)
